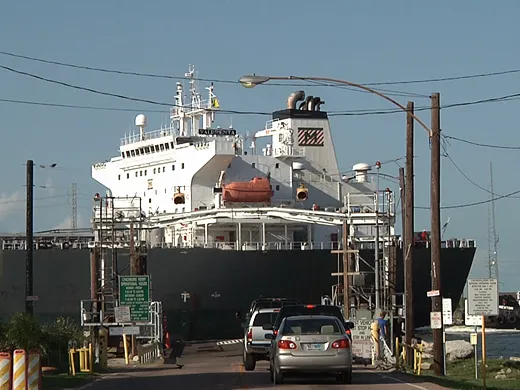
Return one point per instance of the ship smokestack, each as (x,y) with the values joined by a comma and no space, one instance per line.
(294,98)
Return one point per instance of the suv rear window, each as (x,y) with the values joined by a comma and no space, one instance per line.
(264,318)
(316,326)
(302,310)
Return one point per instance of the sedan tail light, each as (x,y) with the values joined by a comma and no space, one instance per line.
(340,344)
(286,344)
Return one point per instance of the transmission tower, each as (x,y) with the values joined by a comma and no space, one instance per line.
(492,231)
(74,219)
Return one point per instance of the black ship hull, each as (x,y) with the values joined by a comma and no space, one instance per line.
(219,282)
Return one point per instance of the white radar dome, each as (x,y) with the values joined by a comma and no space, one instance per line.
(140,120)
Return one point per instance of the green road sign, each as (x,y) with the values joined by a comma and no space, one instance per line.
(134,291)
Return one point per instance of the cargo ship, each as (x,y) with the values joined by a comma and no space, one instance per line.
(218,218)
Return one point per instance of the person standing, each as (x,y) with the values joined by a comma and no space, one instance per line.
(383,332)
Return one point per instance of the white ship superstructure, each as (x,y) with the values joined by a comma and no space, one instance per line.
(198,185)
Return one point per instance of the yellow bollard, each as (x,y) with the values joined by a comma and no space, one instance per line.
(72,364)
(125,347)
(19,368)
(5,371)
(91,358)
(397,353)
(34,371)
(81,360)
(420,359)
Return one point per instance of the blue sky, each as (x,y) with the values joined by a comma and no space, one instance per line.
(368,41)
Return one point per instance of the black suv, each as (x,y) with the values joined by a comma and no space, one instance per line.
(309,310)
(270,303)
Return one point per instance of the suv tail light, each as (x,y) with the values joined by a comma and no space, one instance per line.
(250,335)
(286,344)
(340,344)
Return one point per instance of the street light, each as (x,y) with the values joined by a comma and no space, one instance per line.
(251,81)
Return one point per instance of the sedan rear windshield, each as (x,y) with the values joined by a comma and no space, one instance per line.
(312,326)
(264,319)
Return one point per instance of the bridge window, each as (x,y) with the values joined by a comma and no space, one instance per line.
(162,147)
(149,200)
(277,165)
(277,188)
(141,150)
(147,149)
(136,173)
(182,166)
(253,165)
(154,170)
(137,152)
(156,148)
(127,153)
(118,177)
(128,176)
(167,146)
(163,169)
(123,154)
(173,167)
(145,171)
(140,173)
(132,152)
(171,145)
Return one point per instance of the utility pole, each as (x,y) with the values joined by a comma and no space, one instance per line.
(408,228)
(74,202)
(492,233)
(29,244)
(435,235)
(346,270)
(377,265)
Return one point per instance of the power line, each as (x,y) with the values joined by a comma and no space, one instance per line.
(162,76)
(98,92)
(482,144)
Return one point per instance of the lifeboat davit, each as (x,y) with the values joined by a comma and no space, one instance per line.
(257,190)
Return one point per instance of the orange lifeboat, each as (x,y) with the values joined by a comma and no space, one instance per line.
(257,190)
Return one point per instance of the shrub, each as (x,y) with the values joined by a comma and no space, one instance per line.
(23,331)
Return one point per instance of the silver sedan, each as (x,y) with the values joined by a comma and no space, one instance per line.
(310,344)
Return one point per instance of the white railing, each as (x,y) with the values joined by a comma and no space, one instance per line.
(365,203)
(249,246)
(136,137)
(148,352)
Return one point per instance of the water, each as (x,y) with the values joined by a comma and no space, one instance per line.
(499,342)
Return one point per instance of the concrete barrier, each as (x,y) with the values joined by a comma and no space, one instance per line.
(148,352)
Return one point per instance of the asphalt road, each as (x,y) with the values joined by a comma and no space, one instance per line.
(206,370)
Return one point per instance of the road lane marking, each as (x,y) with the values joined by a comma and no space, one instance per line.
(403,382)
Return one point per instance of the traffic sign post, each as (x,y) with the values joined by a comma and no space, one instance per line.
(134,291)
(483,301)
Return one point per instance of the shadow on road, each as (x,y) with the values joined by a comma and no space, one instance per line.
(259,379)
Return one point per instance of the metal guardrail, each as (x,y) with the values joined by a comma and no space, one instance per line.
(148,352)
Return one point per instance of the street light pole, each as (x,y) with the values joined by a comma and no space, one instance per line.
(252,81)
